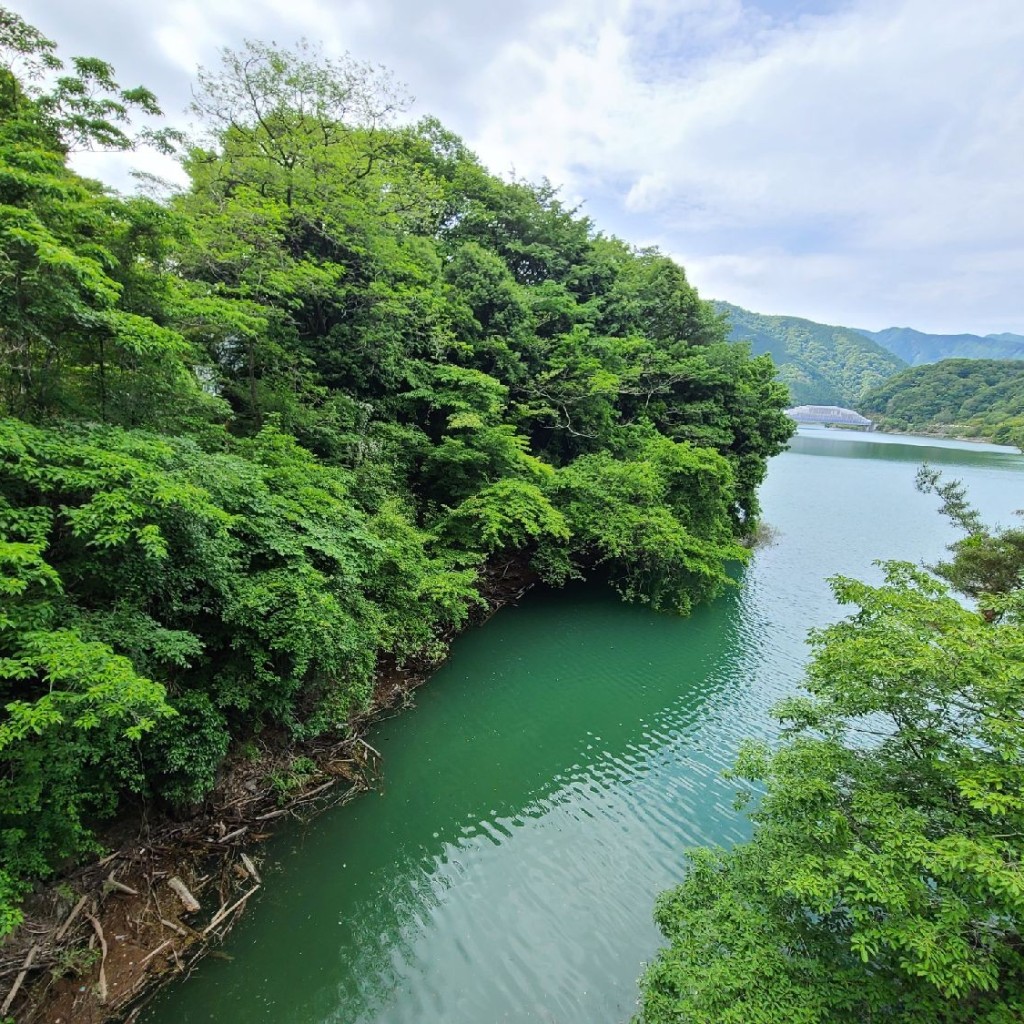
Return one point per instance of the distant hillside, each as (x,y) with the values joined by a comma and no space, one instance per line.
(822,365)
(915,347)
(964,397)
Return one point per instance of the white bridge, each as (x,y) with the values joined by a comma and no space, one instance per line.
(831,414)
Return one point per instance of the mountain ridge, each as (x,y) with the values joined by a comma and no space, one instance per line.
(822,364)
(918,347)
(827,364)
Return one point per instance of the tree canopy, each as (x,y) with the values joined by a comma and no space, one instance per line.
(262,433)
(968,397)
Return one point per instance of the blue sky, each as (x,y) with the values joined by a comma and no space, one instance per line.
(852,161)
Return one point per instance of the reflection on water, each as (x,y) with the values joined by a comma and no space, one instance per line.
(854,444)
(541,793)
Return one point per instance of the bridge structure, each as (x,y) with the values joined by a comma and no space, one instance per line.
(829,415)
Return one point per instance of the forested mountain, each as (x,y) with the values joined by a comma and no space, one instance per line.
(821,364)
(915,348)
(258,433)
(965,397)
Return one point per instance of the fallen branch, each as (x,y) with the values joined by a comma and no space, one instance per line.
(110,884)
(223,912)
(373,750)
(272,814)
(149,956)
(62,930)
(18,980)
(102,994)
(314,792)
(251,868)
(189,902)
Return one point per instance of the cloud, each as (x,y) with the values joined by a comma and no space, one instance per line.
(853,160)
(859,161)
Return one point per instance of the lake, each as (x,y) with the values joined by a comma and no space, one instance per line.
(540,794)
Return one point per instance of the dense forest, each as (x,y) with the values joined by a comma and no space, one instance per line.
(981,398)
(821,365)
(263,432)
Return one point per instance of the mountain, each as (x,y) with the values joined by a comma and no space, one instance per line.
(967,397)
(822,365)
(916,347)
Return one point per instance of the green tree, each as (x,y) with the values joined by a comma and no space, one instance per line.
(82,325)
(259,437)
(965,397)
(884,880)
(986,562)
(659,519)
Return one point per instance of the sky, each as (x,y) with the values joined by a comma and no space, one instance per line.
(856,162)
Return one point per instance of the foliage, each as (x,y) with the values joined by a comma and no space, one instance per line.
(986,563)
(508,515)
(969,397)
(821,365)
(884,879)
(659,519)
(80,275)
(294,776)
(85,109)
(258,434)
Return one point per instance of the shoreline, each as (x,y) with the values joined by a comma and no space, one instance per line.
(939,437)
(100,941)
(924,435)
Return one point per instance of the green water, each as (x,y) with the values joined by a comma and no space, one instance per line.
(540,794)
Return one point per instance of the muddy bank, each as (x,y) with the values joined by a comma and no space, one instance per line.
(99,941)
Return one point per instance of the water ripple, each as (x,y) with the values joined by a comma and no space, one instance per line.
(543,791)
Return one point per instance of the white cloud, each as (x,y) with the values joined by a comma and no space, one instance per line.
(849,162)
(853,160)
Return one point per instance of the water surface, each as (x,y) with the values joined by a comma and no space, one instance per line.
(540,794)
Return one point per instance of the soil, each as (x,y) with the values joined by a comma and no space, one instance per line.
(98,942)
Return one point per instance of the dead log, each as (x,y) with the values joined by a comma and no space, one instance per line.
(149,956)
(188,901)
(102,991)
(111,884)
(224,911)
(272,814)
(251,868)
(62,930)
(18,980)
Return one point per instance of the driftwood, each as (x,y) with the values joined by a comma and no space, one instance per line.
(188,901)
(224,911)
(97,927)
(70,918)
(110,884)
(149,956)
(373,750)
(271,815)
(251,868)
(306,797)
(19,979)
